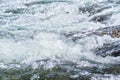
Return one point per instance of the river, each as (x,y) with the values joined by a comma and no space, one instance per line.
(33,45)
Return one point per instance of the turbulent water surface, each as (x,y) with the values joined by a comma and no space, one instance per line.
(34,46)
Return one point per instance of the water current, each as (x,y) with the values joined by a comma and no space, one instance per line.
(33,45)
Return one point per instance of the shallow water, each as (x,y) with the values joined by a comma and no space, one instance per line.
(33,45)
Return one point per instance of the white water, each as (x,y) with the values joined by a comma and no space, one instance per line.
(32,33)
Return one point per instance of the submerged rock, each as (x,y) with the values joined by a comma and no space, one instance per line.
(42,2)
(16,11)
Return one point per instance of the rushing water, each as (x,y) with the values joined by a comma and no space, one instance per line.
(32,39)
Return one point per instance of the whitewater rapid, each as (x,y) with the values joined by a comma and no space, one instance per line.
(33,30)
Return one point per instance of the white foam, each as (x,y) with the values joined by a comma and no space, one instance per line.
(55,18)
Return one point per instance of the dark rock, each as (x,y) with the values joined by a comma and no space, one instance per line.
(112,49)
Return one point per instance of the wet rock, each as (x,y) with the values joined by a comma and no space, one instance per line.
(100,17)
(113,31)
(112,49)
